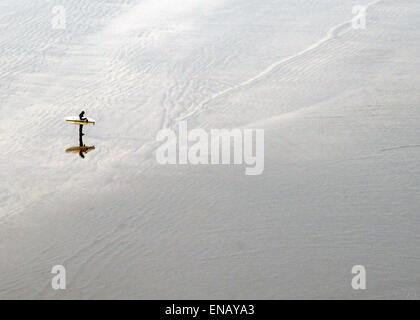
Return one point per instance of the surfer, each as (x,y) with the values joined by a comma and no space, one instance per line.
(81,116)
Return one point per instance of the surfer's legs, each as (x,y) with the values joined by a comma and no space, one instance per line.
(81,135)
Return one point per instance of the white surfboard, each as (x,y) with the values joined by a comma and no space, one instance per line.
(76,120)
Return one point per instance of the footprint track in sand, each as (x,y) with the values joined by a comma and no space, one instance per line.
(333,33)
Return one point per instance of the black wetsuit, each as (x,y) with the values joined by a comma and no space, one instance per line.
(81,116)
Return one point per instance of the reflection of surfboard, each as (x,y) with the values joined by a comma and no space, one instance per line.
(85,149)
(76,120)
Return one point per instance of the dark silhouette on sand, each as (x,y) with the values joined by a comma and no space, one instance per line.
(81,116)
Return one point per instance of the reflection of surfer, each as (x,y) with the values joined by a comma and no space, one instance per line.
(81,134)
(81,116)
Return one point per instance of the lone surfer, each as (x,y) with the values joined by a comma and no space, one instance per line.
(81,116)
